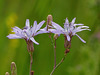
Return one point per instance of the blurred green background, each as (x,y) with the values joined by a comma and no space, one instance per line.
(83,59)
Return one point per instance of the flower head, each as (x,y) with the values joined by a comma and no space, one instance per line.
(69,30)
(28,32)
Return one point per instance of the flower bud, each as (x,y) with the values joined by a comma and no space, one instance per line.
(6,73)
(67,51)
(13,69)
(49,19)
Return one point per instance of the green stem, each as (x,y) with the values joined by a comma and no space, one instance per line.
(55,54)
(58,65)
(54,46)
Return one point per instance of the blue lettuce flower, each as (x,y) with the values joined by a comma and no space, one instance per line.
(69,30)
(28,32)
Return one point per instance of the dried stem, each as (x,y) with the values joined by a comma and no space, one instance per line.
(58,65)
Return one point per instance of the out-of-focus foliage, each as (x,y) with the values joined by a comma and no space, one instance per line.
(83,59)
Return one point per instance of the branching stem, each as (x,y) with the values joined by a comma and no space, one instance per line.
(58,65)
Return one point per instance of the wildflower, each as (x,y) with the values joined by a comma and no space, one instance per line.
(69,30)
(28,32)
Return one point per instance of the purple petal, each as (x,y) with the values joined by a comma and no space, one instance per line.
(66,24)
(55,25)
(13,36)
(78,24)
(55,31)
(80,38)
(73,21)
(39,25)
(32,39)
(27,23)
(82,27)
(45,28)
(68,37)
(67,21)
(34,27)
(16,29)
(41,32)
(80,30)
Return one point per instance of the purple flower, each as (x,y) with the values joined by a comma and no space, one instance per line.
(28,32)
(70,29)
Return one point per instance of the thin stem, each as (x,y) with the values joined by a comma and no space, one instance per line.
(55,54)
(31,61)
(54,45)
(58,65)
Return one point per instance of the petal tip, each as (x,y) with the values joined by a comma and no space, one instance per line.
(27,20)
(37,43)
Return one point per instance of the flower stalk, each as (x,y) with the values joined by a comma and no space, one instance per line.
(54,46)
(30,49)
(49,26)
(66,51)
(58,65)
(55,54)
(31,62)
